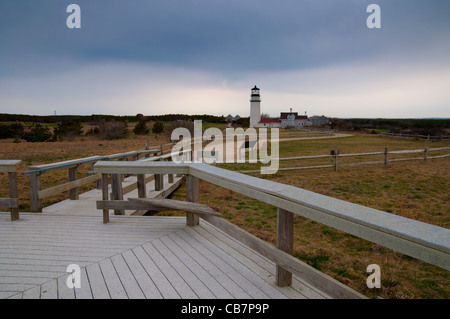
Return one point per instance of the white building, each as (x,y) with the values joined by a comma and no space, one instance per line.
(286,119)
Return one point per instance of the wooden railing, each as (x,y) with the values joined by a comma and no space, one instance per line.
(335,155)
(36,171)
(419,240)
(10,167)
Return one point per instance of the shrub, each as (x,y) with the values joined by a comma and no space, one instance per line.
(141,127)
(68,129)
(113,130)
(38,133)
(158,127)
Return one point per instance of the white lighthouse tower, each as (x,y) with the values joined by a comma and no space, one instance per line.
(255,107)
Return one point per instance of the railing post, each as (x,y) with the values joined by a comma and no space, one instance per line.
(170,176)
(141,186)
(425,153)
(105,197)
(13,194)
(192,195)
(285,242)
(72,177)
(35,187)
(386,152)
(116,191)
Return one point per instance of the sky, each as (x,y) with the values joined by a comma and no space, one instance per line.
(204,56)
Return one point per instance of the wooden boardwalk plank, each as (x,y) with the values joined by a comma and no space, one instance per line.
(84,292)
(146,284)
(49,289)
(191,271)
(129,283)
(112,280)
(64,292)
(266,283)
(196,266)
(192,248)
(163,285)
(227,263)
(170,273)
(97,282)
(32,293)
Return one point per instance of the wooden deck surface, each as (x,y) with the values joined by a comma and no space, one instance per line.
(132,257)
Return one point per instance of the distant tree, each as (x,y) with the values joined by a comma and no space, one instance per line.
(158,127)
(141,127)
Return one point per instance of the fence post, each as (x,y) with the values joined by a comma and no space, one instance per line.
(72,177)
(104,185)
(285,242)
(425,153)
(335,154)
(192,195)
(13,194)
(35,187)
(386,152)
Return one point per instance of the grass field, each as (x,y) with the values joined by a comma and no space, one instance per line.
(413,189)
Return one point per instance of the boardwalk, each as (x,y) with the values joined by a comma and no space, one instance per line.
(132,257)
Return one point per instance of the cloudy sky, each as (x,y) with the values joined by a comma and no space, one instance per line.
(204,56)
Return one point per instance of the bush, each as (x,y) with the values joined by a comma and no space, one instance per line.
(141,127)
(14,130)
(38,133)
(158,127)
(68,129)
(113,130)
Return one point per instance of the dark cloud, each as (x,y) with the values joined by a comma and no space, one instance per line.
(231,36)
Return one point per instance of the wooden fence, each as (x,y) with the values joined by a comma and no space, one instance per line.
(418,136)
(335,155)
(420,240)
(10,167)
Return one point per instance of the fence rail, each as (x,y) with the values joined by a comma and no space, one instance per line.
(10,167)
(418,136)
(335,155)
(420,240)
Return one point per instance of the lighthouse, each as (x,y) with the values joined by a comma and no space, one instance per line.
(255,107)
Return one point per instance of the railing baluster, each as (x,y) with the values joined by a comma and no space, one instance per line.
(72,177)
(35,187)
(192,195)
(285,242)
(105,197)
